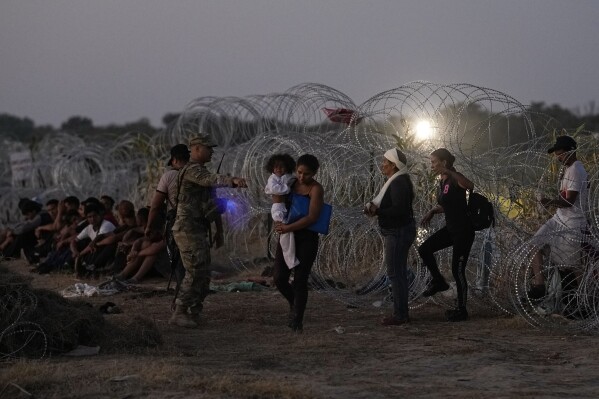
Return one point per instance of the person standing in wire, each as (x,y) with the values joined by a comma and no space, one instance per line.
(393,206)
(457,233)
(196,209)
(564,232)
(306,242)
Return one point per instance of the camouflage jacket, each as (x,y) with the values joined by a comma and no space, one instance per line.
(196,205)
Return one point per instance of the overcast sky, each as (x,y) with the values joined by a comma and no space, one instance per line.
(121,60)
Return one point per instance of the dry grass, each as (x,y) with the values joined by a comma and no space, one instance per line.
(130,335)
(246,387)
(243,349)
(115,377)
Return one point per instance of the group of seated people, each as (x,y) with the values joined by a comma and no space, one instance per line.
(87,238)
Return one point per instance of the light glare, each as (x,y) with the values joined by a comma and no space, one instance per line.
(424,130)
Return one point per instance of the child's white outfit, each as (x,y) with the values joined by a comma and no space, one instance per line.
(280,185)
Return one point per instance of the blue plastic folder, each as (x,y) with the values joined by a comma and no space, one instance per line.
(299,208)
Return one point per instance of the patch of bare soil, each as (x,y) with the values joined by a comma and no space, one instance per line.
(243,349)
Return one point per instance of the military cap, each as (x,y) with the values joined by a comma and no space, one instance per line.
(202,139)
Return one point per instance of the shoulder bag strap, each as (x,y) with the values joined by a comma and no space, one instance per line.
(179,182)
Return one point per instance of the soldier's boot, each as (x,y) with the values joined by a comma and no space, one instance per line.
(194,312)
(181,318)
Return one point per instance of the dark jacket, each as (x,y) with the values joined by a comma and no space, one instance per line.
(396,206)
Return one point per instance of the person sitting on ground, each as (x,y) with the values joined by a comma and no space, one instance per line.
(130,236)
(61,253)
(45,233)
(84,247)
(68,204)
(127,221)
(107,247)
(81,209)
(7,236)
(108,203)
(22,236)
(145,254)
(71,226)
(52,209)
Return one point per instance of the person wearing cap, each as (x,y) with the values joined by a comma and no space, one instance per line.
(166,191)
(196,209)
(393,206)
(562,233)
(457,233)
(159,224)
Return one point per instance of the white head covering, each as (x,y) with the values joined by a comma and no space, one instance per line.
(399,159)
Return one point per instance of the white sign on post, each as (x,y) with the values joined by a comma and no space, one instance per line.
(20,166)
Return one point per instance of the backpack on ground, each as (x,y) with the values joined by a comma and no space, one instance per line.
(481,211)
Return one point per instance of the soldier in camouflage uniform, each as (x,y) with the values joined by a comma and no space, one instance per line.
(196,209)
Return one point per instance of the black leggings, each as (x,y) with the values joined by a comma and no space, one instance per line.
(461,243)
(306,249)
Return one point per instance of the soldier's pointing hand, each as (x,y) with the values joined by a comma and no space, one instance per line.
(239,182)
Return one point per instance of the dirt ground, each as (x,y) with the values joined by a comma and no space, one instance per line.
(243,349)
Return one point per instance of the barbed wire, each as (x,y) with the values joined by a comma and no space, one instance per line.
(497,143)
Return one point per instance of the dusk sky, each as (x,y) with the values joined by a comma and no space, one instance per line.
(121,60)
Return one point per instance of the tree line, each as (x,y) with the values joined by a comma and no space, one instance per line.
(24,129)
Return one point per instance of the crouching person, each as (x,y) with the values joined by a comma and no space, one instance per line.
(83,247)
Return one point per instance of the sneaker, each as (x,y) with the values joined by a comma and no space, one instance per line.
(392,321)
(296,326)
(459,314)
(433,288)
(44,268)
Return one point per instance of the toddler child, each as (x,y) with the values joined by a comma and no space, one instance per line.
(279,184)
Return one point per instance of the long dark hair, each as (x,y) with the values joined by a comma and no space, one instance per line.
(443,154)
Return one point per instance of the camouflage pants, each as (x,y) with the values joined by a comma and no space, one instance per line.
(194,250)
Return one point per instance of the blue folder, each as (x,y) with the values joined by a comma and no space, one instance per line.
(299,208)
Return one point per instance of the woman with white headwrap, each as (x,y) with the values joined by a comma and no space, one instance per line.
(393,206)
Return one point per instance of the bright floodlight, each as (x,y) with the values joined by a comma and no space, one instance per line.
(424,130)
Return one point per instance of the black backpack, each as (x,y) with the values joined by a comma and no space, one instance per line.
(481,212)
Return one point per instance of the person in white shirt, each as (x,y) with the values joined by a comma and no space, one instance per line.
(96,230)
(281,167)
(563,233)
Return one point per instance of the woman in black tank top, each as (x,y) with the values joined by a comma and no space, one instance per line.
(306,243)
(457,232)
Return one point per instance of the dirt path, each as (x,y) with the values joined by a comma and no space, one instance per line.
(244,350)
